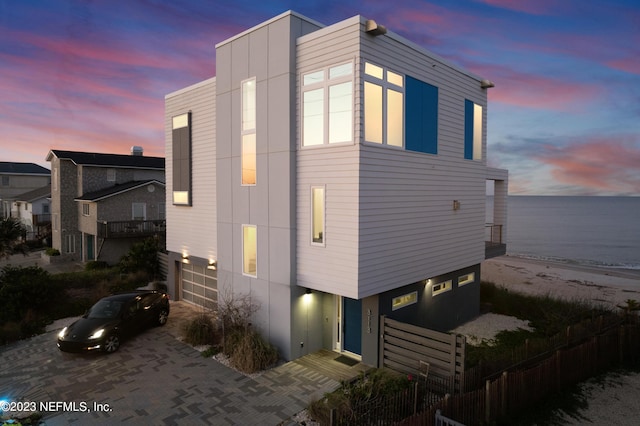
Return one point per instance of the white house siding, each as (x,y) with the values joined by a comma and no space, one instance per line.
(332,268)
(389,212)
(192,229)
(409,230)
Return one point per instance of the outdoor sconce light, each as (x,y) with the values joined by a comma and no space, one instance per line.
(456,205)
(374,29)
(213,265)
(486,84)
(185,258)
(307,291)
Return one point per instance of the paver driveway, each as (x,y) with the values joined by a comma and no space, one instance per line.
(154,379)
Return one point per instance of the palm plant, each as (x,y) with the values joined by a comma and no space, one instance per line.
(12,232)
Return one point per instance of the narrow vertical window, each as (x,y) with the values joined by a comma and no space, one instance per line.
(313,104)
(340,113)
(317,215)
(395,115)
(472,130)
(372,112)
(181,159)
(85,209)
(248,143)
(111,175)
(249,250)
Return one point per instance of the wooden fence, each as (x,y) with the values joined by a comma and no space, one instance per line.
(418,351)
(501,398)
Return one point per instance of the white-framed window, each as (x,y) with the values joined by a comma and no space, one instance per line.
(327,105)
(441,287)
(383,106)
(70,246)
(248,131)
(86,211)
(111,175)
(139,211)
(404,300)
(466,279)
(318,215)
(250,250)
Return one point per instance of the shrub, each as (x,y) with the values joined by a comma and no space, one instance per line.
(251,353)
(374,384)
(95,265)
(201,330)
(52,252)
(143,256)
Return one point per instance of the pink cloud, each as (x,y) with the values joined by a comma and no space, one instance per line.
(536,91)
(630,65)
(599,164)
(534,7)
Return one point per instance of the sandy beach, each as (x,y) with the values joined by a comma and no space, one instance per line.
(612,401)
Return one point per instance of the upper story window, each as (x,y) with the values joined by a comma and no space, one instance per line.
(111,175)
(327,105)
(383,106)
(472,130)
(181,159)
(248,146)
(139,211)
(5,180)
(85,209)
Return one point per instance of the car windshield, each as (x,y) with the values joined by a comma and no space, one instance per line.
(105,309)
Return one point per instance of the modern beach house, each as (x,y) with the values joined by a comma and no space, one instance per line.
(334,174)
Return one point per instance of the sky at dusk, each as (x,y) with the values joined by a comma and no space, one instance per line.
(564,117)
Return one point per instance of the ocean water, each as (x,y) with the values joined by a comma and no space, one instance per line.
(596,231)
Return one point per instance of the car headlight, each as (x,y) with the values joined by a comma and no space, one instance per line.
(62,333)
(98,334)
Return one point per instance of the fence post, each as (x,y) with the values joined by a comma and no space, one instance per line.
(332,417)
(503,394)
(621,344)
(487,401)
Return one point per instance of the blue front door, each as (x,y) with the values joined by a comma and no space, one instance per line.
(352,325)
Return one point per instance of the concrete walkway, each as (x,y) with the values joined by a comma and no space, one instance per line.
(154,379)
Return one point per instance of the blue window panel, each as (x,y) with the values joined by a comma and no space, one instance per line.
(468,129)
(421,116)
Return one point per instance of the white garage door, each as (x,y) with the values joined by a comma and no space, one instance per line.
(200,286)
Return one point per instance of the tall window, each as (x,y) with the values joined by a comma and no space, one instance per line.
(472,130)
(139,211)
(111,175)
(248,155)
(182,159)
(249,250)
(317,215)
(85,209)
(71,244)
(383,106)
(327,105)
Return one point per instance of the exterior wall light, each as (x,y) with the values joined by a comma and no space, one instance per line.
(374,29)
(486,84)
(456,205)
(185,258)
(213,265)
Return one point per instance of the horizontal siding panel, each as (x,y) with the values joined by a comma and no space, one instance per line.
(194,228)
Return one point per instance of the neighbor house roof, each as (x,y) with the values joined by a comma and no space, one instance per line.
(7,167)
(35,194)
(116,189)
(108,160)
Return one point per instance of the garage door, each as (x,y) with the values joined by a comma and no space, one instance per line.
(200,286)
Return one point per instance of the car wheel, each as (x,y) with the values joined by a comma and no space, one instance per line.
(111,343)
(163,315)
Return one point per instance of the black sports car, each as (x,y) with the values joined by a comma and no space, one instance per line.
(113,319)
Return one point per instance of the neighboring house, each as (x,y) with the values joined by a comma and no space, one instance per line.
(33,208)
(18,178)
(335,174)
(103,203)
